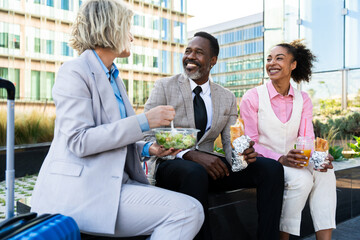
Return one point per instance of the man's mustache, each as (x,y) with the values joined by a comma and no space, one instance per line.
(192,62)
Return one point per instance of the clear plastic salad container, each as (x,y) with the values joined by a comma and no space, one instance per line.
(178,138)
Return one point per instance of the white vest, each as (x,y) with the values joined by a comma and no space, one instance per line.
(273,134)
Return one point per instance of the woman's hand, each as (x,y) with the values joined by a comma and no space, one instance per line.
(327,165)
(160,151)
(250,154)
(293,159)
(160,116)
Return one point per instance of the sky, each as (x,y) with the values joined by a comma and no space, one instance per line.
(210,12)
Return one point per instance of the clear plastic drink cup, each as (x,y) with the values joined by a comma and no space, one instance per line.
(305,144)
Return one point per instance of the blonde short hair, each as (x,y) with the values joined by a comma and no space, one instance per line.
(102,23)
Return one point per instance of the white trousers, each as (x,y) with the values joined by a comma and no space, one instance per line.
(320,187)
(163,214)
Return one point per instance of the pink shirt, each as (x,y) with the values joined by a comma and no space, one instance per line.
(282,107)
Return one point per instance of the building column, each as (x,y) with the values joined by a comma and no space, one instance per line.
(345,74)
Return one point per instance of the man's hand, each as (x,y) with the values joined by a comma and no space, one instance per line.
(160,116)
(160,151)
(293,159)
(250,154)
(327,165)
(212,164)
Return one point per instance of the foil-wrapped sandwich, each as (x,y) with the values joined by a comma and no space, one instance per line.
(321,151)
(239,143)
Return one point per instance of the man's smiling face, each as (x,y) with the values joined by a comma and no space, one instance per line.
(197,60)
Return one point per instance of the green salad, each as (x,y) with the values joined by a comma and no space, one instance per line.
(175,140)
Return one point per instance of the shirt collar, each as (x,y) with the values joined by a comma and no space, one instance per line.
(273,93)
(205,87)
(114,70)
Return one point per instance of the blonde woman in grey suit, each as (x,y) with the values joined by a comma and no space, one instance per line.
(92,171)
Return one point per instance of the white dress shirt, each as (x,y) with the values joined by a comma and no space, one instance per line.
(206,96)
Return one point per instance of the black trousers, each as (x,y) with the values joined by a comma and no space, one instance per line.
(266,175)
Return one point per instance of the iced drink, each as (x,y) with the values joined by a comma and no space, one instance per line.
(305,144)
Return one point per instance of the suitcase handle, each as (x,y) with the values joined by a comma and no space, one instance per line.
(10,88)
(25,222)
(26,216)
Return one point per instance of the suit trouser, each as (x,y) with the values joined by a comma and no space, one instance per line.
(320,187)
(163,214)
(265,174)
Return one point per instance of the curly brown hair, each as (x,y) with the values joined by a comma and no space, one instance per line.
(304,60)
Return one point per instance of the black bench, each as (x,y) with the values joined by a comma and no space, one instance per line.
(233,214)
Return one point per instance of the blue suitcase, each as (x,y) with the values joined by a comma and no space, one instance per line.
(47,226)
(28,226)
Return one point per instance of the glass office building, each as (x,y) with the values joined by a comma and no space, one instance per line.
(240,61)
(331,29)
(34,36)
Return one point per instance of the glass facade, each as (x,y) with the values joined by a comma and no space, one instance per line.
(34,36)
(353,87)
(141,90)
(240,61)
(331,30)
(41,85)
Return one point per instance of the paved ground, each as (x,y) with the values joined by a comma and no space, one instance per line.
(348,230)
(23,188)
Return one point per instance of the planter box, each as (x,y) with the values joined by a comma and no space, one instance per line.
(28,159)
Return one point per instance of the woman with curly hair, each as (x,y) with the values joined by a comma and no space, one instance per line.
(92,171)
(275,115)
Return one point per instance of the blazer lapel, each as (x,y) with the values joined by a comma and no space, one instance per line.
(106,93)
(215,105)
(186,92)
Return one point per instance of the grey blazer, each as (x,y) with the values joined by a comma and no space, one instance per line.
(176,91)
(82,174)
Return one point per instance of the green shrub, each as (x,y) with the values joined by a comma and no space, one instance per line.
(330,107)
(336,152)
(346,126)
(356,146)
(30,128)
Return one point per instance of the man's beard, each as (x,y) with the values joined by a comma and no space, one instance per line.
(194,76)
(198,74)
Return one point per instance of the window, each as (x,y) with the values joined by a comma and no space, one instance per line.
(3,74)
(4,40)
(139,59)
(50,46)
(50,3)
(35,85)
(65,4)
(37,1)
(179,32)
(122,60)
(9,41)
(46,83)
(165,30)
(126,83)
(66,50)
(14,41)
(37,42)
(166,61)
(155,62)
(165,3)
(141,91)
(155,25)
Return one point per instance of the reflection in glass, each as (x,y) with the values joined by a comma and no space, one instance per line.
(324,89)
(353,96)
